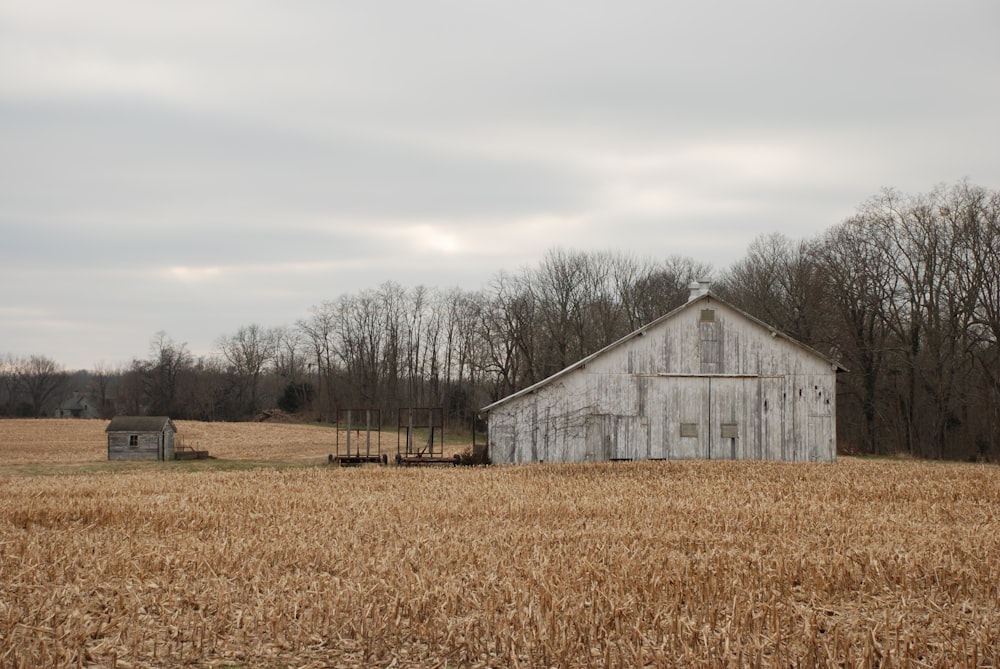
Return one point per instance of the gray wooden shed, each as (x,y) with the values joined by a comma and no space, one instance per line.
(141,438)
(704,381)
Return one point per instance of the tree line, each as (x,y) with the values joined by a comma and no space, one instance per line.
(905,294)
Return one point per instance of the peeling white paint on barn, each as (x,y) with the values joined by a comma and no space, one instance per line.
(705,381)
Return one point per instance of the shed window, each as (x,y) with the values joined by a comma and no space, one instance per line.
(708,315)
(689,429)
(729,431)
(133,441)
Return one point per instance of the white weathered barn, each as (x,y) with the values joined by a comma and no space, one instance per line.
(704,381)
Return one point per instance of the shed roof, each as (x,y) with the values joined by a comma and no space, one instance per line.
(140,424)
(701,297)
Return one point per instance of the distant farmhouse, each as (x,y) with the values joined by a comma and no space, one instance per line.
(141,438)
(704,381)
(77,406)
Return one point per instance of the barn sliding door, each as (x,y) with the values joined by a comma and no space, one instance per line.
(726,430)
(719,418)
(685,401)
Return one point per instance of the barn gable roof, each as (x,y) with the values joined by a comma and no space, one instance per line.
(705,296)
(140,424)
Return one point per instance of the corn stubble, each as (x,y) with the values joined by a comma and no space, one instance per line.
(702,564)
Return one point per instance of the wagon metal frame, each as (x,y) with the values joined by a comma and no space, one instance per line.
(431,452)
(369,421)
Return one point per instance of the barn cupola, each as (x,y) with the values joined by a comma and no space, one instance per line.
(699,288)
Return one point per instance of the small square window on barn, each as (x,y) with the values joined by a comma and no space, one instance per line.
(729,431)
(708,315)
(689,429)
(133,441)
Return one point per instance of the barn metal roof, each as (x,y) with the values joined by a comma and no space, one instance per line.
(140,424)
(704,295)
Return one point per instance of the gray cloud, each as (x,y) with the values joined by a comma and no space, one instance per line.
(193,167)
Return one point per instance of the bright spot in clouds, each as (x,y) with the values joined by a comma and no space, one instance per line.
(433,239)
(193,274)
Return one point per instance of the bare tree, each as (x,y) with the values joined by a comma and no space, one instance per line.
(775,282)
(414,313)
(858,287)
(432,360)
(8,386)
(460,312)
(248,353)
(559,287)
(290,353)
(164,375)
(600,320)
(42,379)
(922,250)
(131,396)
(648,290)
(102,382)
(976,212)
(206,399)
(506,335)
(361,345)
(320,331)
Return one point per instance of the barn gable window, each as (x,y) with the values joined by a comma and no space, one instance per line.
(710,342)
(133,441)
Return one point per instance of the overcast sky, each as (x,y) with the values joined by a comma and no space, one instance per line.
(196,166)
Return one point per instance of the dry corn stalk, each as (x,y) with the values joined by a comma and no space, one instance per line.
(699,564)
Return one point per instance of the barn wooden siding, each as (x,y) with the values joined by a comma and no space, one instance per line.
(141,438)
(706,381)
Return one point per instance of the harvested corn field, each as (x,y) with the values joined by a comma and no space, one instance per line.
(697,564)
